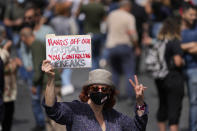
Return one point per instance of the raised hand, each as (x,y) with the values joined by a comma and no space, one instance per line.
(48,68)
(139,90)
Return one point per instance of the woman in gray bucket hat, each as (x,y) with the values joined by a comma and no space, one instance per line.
(95,110)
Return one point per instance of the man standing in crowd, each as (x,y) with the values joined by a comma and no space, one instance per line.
(121,43)
(38,55)
(94,14)
(13,19)
(189,36)
(32,19)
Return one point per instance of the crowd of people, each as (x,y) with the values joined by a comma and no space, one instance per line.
(120,31)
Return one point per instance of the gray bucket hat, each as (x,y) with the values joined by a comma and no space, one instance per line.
(99,76)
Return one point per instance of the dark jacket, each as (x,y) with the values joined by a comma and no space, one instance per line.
(1,88)
(1,77)
(38,55)
(78,116)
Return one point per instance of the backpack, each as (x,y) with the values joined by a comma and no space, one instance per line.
(155,59)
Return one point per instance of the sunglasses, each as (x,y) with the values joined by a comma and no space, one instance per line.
(96,88)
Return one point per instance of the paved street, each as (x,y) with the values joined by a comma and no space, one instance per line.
(23,119)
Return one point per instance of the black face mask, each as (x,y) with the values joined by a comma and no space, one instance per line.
(99,98)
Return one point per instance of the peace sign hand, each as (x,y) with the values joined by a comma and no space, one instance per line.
(139,91)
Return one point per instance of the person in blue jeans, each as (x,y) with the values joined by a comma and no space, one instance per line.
(122,44)
(37,109)
(97,41)
(121,60)
(189,36)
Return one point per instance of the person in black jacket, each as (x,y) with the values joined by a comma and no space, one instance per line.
(171,88)
(1,89)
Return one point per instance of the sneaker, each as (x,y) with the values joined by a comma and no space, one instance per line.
(66,90)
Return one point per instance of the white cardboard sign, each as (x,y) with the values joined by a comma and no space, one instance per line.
(72,51)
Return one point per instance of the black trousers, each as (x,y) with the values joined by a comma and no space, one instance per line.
(170,92)
(8,116)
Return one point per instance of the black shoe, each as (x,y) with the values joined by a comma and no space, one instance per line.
(38,128)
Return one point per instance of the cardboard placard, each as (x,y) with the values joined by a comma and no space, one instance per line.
(69,51)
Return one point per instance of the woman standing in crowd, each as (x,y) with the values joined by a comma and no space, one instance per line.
(10,85)
(95,111)
(171,88)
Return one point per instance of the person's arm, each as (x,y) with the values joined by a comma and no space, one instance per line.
(132,32)
(60,112)
(141,118)
(50,87)
(190,47)
(136,124)
(139,123)
(177,54)
(47,12)
(187,46)
(80,9)
(133,35)
(139,91)
(8,22)
(193,50)
(178,61)
(16,22)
